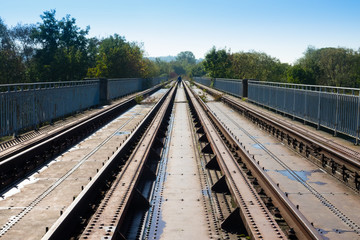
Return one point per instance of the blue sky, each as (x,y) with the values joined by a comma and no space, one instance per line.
(280,28)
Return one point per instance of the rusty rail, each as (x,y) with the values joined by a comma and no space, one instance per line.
(26,157)
(338,160)
(258,221)
(294,218)
(108,218)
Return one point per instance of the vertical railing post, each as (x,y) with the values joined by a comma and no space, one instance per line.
(305,106)
(336,112)
(103,91)
(294,87)
(357,120)
(319,108)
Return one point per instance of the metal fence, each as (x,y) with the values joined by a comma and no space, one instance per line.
(26,106)
(330,107)
(120,87)
(203,81)
(335,108)
(230,86)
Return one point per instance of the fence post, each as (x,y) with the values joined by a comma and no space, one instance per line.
(336,112)
(357,120)
(103,91)
(294,87)
(306,90)
(319,108)
(245,88)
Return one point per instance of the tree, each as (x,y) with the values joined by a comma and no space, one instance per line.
(186,58)
(119,58)
(198,70)
(23,35)
(217,63)
(332,66)
(164,67)
(63,52)
(298,74)
(12,69)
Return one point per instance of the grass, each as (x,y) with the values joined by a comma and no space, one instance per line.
(5,138)
(203,96)
(139,99)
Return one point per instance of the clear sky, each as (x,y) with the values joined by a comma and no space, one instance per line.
(280,28)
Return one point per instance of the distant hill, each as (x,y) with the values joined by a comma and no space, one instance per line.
(171,58)
(165,59)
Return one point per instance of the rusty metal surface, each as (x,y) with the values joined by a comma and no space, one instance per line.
(338,157)
(323,200)
(257,219)
(182,191)
(107,220)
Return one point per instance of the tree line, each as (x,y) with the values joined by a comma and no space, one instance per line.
(59,50)
(325,66)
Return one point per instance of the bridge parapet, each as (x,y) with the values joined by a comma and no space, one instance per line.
(334,108)
(27,105)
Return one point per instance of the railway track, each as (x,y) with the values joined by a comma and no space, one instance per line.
(307,186)
(148,178)
(297,222)
(338,160)
(21,156)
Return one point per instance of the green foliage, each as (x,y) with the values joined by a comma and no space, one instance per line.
(257,65)
(63,53)
(139,99)
(186,58)
(253,65)
(119,58)
(332,66)
(182,65)
(300,75)
(12,69)
(217,63)
(58,50)
(203,96)
(198,70)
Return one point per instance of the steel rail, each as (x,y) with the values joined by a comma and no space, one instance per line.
(258,221)
(333,157)
(107,220)
(294,218)
(20,162)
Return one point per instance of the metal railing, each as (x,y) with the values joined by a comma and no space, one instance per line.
(26,106)
(334,108)
(230,86)
(203,81)
(123,86)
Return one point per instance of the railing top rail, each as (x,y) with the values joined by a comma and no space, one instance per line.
(43,85)
(230,79)
(322,88)
(123,79)
(48,83)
